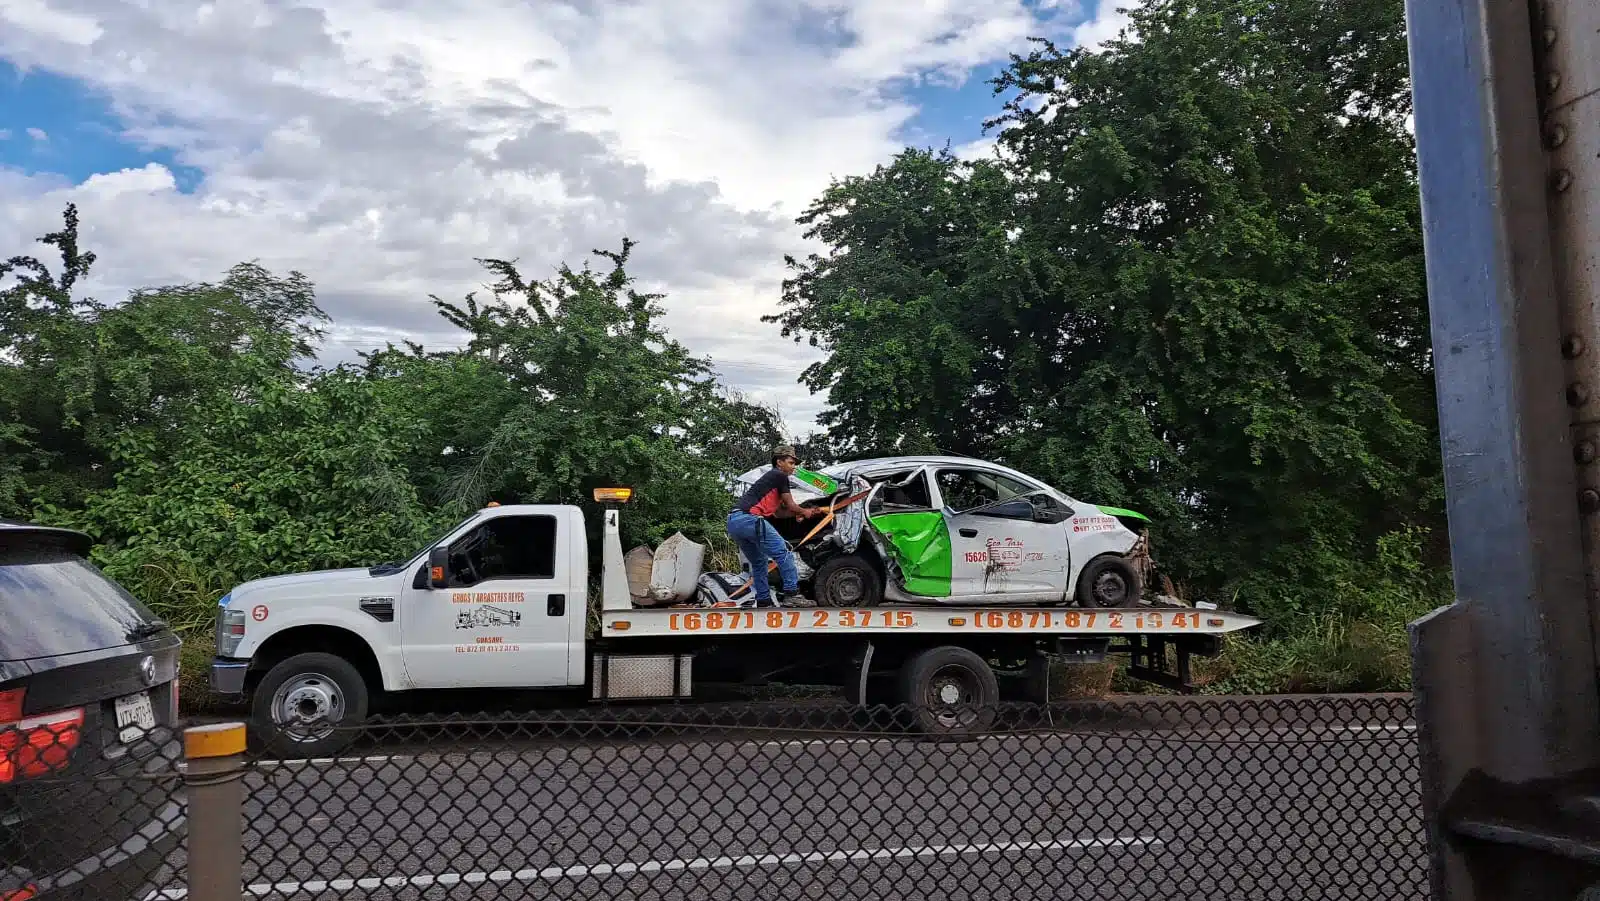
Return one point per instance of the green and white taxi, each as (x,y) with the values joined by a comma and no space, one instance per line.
(960,531)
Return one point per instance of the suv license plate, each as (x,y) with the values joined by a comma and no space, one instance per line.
(135,716)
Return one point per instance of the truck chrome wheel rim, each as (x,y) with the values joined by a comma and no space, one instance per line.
(950,696)
(308,706)
(846,588)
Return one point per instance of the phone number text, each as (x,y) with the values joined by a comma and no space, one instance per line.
(1011,620)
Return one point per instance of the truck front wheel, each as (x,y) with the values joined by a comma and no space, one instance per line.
(308,704)
(950,691)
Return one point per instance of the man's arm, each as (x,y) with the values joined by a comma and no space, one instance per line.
(794,509)
(786,502)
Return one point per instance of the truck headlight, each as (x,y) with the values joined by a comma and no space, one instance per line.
(230,631)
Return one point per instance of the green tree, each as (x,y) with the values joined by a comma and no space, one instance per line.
(76,374)
(906,303)
(1192,282)
(1231,211)
(303,474)
(583,389)
(456,400)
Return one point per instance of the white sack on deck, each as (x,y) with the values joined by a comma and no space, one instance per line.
(676,570)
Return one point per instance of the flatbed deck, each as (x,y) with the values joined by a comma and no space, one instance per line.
(1173,622)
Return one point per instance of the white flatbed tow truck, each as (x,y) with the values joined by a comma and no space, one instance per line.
(490,605)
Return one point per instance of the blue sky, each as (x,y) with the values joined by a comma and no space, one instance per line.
(51,124)
(954,113)
(57,125)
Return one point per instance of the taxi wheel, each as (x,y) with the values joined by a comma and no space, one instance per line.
(1109,582)
(848,582)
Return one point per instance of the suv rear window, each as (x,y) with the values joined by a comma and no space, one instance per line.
(53,602)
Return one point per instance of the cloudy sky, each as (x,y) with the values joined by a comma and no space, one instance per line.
(380,145)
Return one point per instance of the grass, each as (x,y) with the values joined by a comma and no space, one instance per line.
(1323,654)
(194,675)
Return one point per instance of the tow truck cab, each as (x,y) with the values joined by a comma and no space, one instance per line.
(500,602)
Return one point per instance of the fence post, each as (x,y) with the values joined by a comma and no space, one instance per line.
(215,757)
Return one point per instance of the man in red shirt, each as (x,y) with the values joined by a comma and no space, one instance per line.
(755,536)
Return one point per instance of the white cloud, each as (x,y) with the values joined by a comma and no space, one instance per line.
(38,134)
(5,134)
(380,145)
(40,18)
(1107,23)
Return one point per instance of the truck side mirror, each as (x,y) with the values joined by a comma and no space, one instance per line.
(439,567)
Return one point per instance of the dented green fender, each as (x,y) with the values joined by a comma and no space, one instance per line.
(920,543)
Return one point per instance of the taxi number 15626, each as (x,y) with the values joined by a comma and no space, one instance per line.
(736,620)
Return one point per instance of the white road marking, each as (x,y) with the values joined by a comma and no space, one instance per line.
(326,761)
(667,866)
(1309,732)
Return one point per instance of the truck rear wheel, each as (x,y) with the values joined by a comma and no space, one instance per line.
(950,691)
(308,704)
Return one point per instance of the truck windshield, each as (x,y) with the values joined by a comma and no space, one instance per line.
(394,566)
(416,557)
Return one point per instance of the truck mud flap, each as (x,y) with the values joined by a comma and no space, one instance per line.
(616,677)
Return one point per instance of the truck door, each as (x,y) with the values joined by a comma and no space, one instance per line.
(503,622)
(1007,537)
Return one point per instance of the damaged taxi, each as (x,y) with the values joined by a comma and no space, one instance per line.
(958,531)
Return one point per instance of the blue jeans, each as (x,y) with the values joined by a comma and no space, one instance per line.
(759,541)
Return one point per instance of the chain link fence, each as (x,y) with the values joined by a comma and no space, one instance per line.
(1150,799)
(79,825)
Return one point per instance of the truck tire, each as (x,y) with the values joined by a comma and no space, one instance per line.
(307,706)
(949,691)
(848,581)
(1109,581)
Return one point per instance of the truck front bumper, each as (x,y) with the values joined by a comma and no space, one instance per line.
(227,676)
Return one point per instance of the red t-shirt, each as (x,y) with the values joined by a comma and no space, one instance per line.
(763,498)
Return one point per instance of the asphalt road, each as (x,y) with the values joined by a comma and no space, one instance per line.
(1299,806)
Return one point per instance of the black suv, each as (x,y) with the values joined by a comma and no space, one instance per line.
(90,800)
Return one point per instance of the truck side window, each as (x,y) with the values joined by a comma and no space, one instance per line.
(508,547)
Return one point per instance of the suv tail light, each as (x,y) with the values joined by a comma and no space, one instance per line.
(38,745)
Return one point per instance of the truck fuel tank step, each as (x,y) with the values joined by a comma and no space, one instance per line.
(615,677)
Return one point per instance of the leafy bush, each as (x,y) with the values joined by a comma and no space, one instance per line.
(1345,632)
